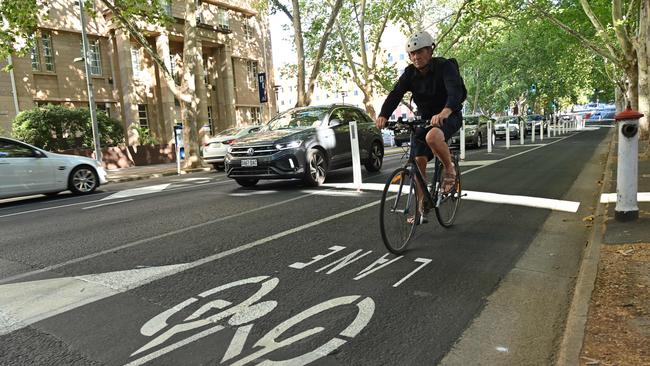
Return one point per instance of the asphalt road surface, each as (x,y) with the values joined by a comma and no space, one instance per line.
(196,270)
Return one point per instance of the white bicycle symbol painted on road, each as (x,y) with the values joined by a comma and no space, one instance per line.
(242,317)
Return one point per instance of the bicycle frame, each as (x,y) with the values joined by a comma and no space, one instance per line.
(431,195)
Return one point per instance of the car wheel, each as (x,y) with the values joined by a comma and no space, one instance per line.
(375,157)
(316,168)
(83,180)
(479,141)
(247,182)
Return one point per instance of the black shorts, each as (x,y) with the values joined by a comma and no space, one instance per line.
(451,125)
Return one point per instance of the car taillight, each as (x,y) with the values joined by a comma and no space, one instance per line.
(228,142)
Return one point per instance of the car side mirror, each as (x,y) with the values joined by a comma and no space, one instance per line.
(254,130)
(39,154)
(334,122)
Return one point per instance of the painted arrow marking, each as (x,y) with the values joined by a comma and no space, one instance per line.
(137,191)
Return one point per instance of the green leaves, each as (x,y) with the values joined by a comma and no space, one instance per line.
(55,127)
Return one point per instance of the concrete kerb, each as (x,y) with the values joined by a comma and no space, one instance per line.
(574,331)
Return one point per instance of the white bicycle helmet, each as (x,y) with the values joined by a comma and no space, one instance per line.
(419,40)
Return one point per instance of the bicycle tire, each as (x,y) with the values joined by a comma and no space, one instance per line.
(447,204)
(398,201)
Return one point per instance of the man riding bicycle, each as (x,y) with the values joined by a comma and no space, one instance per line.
(437,89)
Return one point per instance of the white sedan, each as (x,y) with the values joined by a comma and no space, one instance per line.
(27,170)
(215,149)
(512,122)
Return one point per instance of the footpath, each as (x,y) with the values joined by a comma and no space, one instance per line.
(609,320)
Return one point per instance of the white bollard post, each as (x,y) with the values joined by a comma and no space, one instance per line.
(489,136)
(462,141)
(507,135)
(555,126)
(541,130)
(356,160)
(548,128)
(532,133)
(522,132)
(627,170)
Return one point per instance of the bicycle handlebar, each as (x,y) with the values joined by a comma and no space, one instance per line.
(418,122)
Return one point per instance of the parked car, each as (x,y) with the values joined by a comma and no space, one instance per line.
(537,120)
(402,136)
(214,150)
(601,117)
(27,170)
(512,123)
(475,132)
(305,143)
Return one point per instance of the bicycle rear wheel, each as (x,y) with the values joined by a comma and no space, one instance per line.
(399,203)
(447,203)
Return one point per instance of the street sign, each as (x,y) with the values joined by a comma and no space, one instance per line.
(261,86)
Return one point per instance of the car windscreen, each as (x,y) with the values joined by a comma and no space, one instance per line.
(231,131)
(297,119)
(535,117)
(509,120)
(471,121)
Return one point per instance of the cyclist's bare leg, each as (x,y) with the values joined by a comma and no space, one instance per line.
(436,141)
(421,162)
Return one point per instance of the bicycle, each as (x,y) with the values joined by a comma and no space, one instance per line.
(396,210)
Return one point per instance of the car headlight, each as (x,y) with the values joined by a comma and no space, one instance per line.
(289,145)
(229,149)
(471,132)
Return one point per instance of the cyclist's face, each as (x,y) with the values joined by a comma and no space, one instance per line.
(420,58)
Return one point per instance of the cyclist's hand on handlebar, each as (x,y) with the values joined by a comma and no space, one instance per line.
(440,118)
(381,122)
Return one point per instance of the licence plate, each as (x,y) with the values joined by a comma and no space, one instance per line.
(249,162)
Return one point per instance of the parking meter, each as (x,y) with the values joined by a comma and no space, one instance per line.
(627,172)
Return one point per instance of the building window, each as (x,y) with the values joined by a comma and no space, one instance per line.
(166,5)
(401,57)
(199,12)
(143,119)
(95,58)
(135,61)
(174,69)
(205,70)
(48,53)
(42,53)
(390,57)
(210,125)
(223,20)
(254,115)
(36,58)
(251,71)
(247,28)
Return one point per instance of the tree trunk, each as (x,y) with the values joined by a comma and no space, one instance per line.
(643,52)
(368,102)
(475,104)
(189,101)
(302,99)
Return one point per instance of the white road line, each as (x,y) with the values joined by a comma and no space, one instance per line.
(101,199)
(106,204)
(146,240)
(508,199)
(611,197)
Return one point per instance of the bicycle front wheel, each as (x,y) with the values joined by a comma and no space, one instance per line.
(447,203)
(399,205)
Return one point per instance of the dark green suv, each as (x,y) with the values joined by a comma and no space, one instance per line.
(305,143)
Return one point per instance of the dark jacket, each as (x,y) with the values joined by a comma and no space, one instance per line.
(439,88)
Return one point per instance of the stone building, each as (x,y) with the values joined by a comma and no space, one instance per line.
(128,85)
